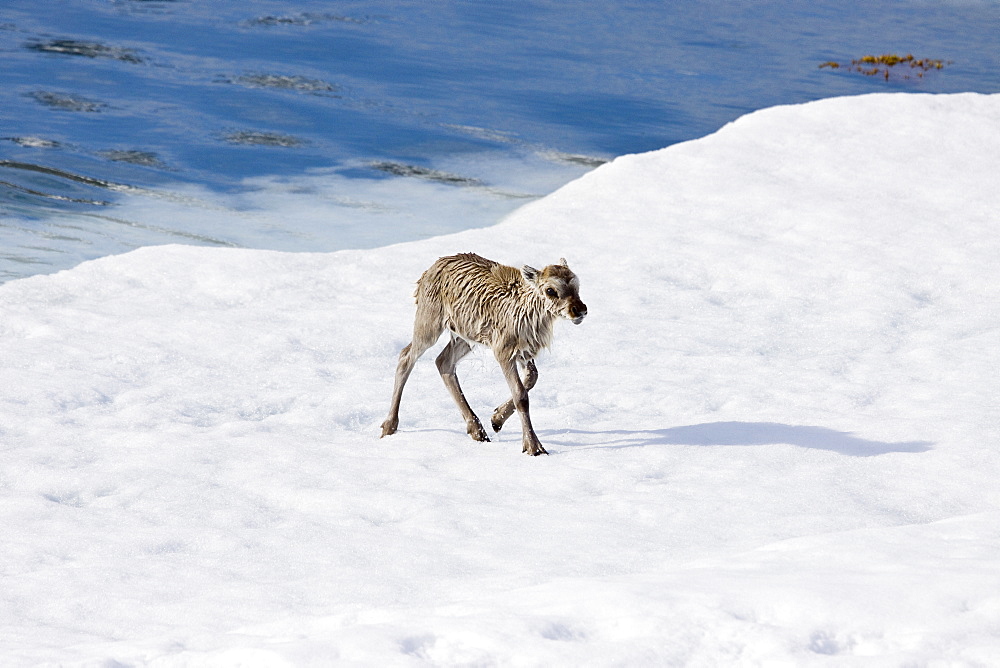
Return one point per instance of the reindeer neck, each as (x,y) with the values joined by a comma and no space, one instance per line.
(534,324)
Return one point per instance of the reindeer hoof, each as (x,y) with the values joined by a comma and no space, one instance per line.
(534,450)
(500,416)
(389,428)
(477,432)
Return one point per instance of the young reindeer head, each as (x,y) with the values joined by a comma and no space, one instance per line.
(559,289)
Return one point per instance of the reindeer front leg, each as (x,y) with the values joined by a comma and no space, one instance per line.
(506,409)
(519,396)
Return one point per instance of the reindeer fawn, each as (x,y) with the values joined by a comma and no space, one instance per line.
(511,311)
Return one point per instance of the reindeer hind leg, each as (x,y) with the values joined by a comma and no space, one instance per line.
(427,329)
(456,349)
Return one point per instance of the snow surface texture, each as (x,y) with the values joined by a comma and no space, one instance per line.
(774,439)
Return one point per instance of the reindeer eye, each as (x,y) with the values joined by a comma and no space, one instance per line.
(551,293)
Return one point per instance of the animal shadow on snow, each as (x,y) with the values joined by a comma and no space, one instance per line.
(747,434)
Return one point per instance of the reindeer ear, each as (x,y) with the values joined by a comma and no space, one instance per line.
(562,261)
(530,274)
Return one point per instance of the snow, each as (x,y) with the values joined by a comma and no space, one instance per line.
(773,439)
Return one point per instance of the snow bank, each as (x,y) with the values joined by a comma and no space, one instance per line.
(773,439)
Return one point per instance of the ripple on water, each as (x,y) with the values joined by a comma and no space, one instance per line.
(260,138)
(134,157)
(72,47)
(415,171)
(66,102)
(291,82)
(301,19)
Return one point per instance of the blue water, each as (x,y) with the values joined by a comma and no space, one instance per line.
(324,125)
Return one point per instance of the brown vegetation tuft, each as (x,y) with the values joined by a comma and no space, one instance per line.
(901,67)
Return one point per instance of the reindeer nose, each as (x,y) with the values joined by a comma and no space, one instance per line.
(578,313)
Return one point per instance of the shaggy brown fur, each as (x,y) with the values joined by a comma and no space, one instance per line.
(508,310)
